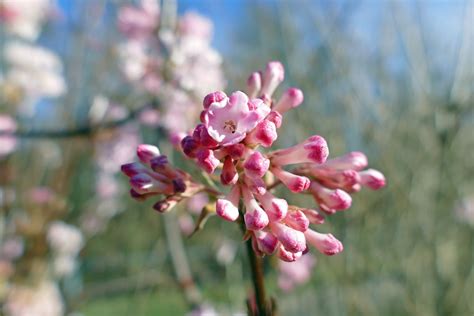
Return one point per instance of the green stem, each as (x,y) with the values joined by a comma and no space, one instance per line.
(258,279)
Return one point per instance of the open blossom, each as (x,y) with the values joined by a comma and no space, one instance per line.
(24,17)
(179,66)
(139,23)
(65,239)
(36,70)
(230,137)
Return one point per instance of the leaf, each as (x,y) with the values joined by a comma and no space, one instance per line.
(207,211)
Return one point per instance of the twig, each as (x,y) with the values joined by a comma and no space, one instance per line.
(179,260)
(82,131)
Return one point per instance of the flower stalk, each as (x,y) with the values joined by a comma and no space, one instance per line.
(258,280)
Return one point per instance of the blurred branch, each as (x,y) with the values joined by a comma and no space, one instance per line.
(82,131)
(179,260)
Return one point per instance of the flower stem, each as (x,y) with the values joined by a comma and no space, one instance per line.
(258,280)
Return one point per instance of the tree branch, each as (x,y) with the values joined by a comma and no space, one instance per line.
(82,131)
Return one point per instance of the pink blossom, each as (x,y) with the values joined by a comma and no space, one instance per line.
(292,239)
(255,217)
(276,208)
(313,150)
(228,121)
(288,256)
(254,84)
(264,134)
(354,160)
(139,23)
(294,182)
(272,76)
(229,174)
(227,207)
(256,165)
(230,138)
(292,98)
(372,178)
(265,242)
(195,25)
(330,200)
(297,220)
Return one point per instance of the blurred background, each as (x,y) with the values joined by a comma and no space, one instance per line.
(394,79)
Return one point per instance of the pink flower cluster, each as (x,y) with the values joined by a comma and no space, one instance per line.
(232,131)
(154,176)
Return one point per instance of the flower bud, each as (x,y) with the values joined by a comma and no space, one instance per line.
(227,207)
(255,217)
(256,248)
(273,75)
(144,183)
(297,220)
(256,165)
(293,240)
(330,200)
(179,186)
(202,136)
(292,98)
(372,178)
(317,149)
(133,168)
(254,84)
(217,96)
(294,182)
(276,208)
(354,160)
(264,134)
(147,152)
(276,118)
(266,242)
(325,243)
(313,150)
(313,216)
(256,185)
(189,146)
(347,180)
(206,160)
(229,174)
(288,256)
